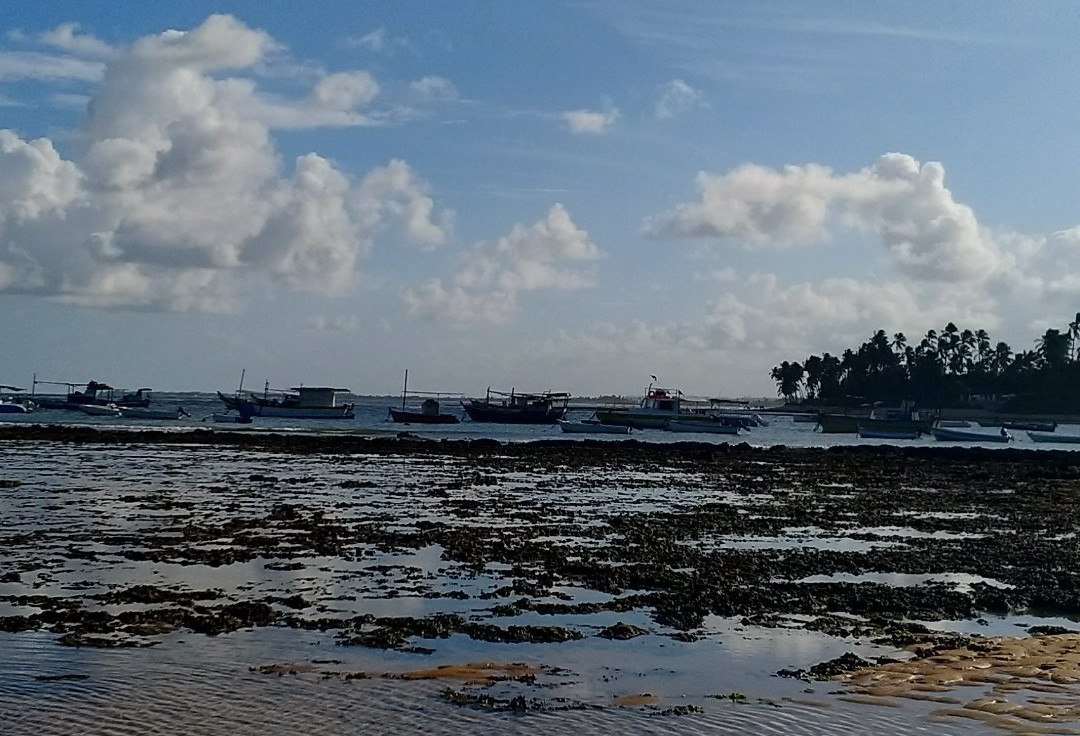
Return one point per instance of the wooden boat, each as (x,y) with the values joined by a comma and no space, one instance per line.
(1020,425)
(94,392)
(658,407)
(138,412)
(11,405)
(429,409)
(947,434)
(713,427)
(96,410)
(227,418)
(884,433)
(300,402)
(1060,439)
(516,408)
(903,419)
(591,426)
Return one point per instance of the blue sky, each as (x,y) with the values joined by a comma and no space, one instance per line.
(567,196)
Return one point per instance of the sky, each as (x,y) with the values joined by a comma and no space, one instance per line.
(569,196)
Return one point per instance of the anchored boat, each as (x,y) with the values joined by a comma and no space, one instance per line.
(300,402)
(429,409)
(948,434)
(657,408)
(516,408)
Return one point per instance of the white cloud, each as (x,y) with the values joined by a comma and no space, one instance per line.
(434,89)
(490,275)
(66,37)
(36,65)
(677,97)
(590,122)
(178,190)
(905,204)
(378,41)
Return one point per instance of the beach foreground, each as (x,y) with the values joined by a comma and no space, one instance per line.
(396,583)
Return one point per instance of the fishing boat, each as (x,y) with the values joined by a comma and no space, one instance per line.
(658,407)
(903,419)
(138,412)
(879,433)
(97,410)
(591,426)
(947,434)
(1060,439)
(299,402)
(92,392)
(429,408)
(1020,425)
(12,405)
(517,408)
(699,427)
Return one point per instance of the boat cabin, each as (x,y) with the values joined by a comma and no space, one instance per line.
(662,399)
(317,397)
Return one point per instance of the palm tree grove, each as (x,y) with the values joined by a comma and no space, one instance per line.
(951,368)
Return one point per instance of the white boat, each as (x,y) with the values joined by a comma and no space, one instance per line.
(138,412)
(591,426)
(947,434)
(9,405)
(713,427)
(876,433)
(953,423)
(656,409)
(100,410)
(1053,438)
(300,402)
(227,418)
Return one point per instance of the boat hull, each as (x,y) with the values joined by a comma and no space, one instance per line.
(480,412)
(1061,439)
(6,408)
(416,417)
(646,419)
(845,424)
(95,410)
(699,427)
(591,428)
(871,433)
(945,434)
(252,409)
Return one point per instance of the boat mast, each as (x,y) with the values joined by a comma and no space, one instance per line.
(404,389)
(241,386)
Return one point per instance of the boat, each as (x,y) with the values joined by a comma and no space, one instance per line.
(1020,425)
(429,409)
(680,425)
(953,423)
(902,419)
(226,418)
(13,405)
(658,407)
(300,402)
(138,412)
(93,393)
(884,433)
(947,434)
(517,408)
(1060,439)
(591,426)
(97,410)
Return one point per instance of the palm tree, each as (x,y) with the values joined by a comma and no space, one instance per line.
(899,342)
(1074,334)
(1053,349)
(813,367)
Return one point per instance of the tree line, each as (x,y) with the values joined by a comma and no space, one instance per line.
(949,368)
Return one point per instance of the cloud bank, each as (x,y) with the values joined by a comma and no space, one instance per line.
(174,195)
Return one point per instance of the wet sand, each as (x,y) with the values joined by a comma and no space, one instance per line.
(417,550)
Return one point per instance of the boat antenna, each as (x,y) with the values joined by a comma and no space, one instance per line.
(241,387)
(404,388)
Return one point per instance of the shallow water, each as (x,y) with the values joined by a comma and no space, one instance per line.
(76,527)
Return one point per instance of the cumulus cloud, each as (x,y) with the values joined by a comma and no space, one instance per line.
(677,97)
(490,275)
(590,122)
(177,190)
(905,204)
